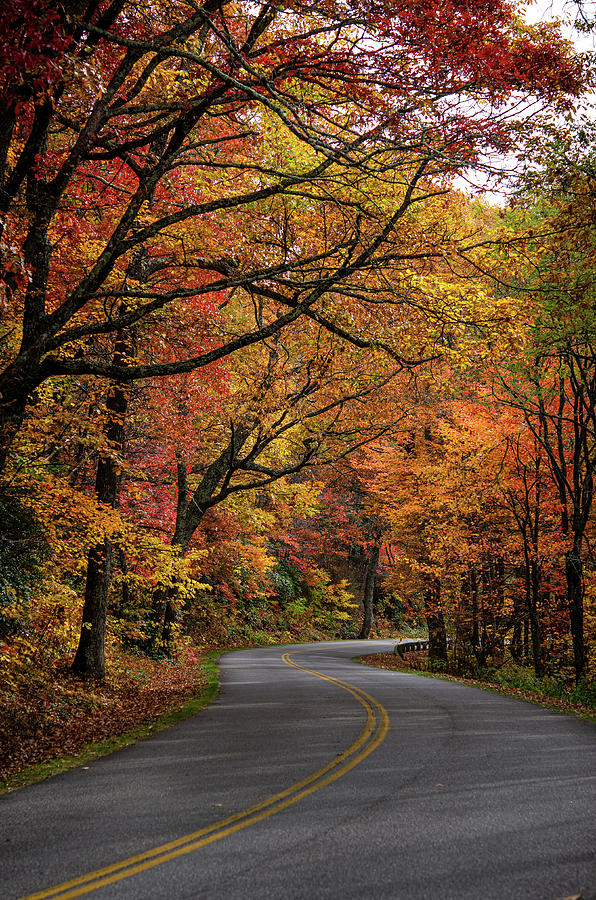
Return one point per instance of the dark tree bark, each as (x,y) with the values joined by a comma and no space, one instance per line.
(499,619)
(190,510)
(469,625)
(169,620)
(559,409)
(574,578)
(433,613)
(573,463)
(532,602)
(472,626)
(476,624)
(369,590)
(12,413)
(89,659)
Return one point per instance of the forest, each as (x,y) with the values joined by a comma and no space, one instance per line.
(298,337)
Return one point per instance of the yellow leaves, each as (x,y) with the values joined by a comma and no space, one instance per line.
(72,519)
(173,571)
(331,604)
(590,627)
(47,625)
(292,499)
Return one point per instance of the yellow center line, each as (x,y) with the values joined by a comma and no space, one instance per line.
(374,732)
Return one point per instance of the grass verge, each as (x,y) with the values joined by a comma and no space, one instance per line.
(89,752)
(392,662)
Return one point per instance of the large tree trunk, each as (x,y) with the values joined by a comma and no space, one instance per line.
(369,591)
(183,533)
(11,420)
(14,390)
(89,659)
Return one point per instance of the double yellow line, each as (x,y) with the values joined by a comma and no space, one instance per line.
(374,732)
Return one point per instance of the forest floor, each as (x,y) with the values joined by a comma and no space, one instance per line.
(54,721)
(414,660)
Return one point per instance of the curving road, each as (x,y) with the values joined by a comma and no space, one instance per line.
(313,777)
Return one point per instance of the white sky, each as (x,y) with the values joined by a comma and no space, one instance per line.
(566,11)
(544,11)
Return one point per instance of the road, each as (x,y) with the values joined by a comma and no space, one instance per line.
(314,777)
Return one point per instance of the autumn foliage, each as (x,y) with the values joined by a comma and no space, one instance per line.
(268,373)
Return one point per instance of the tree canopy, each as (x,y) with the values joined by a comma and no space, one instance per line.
(263,360)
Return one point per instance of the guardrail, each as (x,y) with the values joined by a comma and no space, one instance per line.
(408,646)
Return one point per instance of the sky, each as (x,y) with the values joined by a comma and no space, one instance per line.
(540,11)
(566,11)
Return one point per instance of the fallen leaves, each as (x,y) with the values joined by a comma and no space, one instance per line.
(46,718)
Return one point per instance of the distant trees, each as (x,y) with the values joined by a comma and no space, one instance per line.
(505,491)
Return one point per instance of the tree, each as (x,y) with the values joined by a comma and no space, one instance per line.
(148,137)
(553,384)
(231,170)
(297,409)
(90,656)
(560,412)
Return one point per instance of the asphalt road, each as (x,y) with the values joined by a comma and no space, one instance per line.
(314,777)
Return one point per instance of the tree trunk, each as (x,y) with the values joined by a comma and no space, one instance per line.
(437,635)
(181,541)
(499,618)
(477,645)
(369,591)
(12,413)
(574,577)
(169,620)
(89,659)
(533,593)
(519,612)
(191,509)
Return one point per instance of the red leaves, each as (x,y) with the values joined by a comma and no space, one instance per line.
(480,45)
(32,48)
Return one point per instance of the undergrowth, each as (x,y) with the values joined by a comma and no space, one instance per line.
(514,680)
(525,679)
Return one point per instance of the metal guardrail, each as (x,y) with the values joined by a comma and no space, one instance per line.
(408,646)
